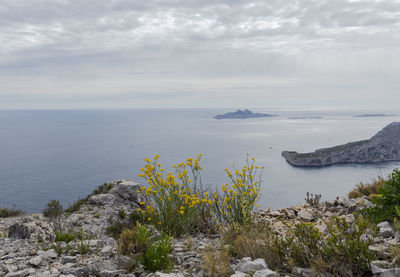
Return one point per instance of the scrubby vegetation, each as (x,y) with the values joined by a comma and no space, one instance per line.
(139,244)
(341,250)
(178,205)
(369,189)
(387,200)
(7,212)
(76,206)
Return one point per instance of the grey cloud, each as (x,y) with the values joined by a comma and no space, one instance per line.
(159,46)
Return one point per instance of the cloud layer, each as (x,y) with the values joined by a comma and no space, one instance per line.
(174,53)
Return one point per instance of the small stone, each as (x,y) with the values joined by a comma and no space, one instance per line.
(380,250)
(385,230)
(305,215)
(246,265)
(381,264)
(265,273)
(36,260)
(106,249)
(290,213)
(349,218)
(240,274)
(68,259)
(110,273)
(20,273)
(275,213)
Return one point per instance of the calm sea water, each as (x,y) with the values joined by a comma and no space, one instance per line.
(64,155)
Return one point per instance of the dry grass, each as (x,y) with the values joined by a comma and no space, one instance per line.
(368,189)
(216,262)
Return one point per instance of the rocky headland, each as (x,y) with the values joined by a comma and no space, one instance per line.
(384,146)
(27,243)
(242,114)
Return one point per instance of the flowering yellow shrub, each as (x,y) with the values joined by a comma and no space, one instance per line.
(238,199)
(176,204)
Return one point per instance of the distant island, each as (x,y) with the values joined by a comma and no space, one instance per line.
(373,115)
(306,117)
(242,114)
(384,146)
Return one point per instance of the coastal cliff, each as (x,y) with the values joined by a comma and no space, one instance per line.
(384,146)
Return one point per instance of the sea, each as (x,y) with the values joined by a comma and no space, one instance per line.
(65,154)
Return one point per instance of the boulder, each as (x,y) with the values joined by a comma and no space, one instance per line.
(101,199)
(385,230)
(305,215)
(19,231)
(246,265)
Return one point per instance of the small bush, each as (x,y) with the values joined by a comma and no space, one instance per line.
(156,256)
(134,241)
(342,252)
(116,228)
(67,237)
(54,209)
(237,201)
(369,189)
(105,188)
(257,241)
(76,206)
(137,243)
(83,248)
(177,206)
(312,199)
(217,262)
(53,212)
(6,212)
(387,201)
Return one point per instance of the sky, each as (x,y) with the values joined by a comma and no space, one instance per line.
(111,54)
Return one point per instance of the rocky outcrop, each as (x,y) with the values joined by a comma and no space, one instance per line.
(242,114)
(384,146)
(27,246)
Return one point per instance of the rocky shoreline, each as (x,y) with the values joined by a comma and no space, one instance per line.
(384,146)
(27,242)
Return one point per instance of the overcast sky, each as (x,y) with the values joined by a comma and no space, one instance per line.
(199,53)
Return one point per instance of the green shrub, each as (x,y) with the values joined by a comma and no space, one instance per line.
(67,237)
(53,209)
(6,212)
(369,189)
(237,201)
(76,206)
(257,241)
(342,252)
(156,256)
(387,201)
(134,241)
(138,244)
(177,205)
(53,212)
(83,248)
(116,228)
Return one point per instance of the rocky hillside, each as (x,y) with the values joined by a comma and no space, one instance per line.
(27,246)
(384,146)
